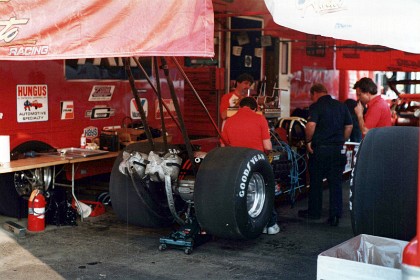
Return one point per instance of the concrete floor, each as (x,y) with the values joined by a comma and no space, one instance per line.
(105,248)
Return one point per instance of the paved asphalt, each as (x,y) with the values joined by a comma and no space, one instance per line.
(105,248)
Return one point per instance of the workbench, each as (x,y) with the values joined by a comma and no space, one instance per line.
(73,157)
(31,163)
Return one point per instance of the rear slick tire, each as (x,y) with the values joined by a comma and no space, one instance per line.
(383,197)
(151,210)
(234,193)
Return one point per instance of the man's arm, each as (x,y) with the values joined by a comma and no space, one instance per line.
(309,133)
(362,125)
(224,140)
(347,131)
(267,145)
(358,110)
(224,104)
(223,114)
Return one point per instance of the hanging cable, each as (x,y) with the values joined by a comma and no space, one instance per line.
(295,159)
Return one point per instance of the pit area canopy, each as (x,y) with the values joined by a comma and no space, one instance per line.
(63,29)
(388,23)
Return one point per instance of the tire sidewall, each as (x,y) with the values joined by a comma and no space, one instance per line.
(383,186)
(252,227)
(220,195)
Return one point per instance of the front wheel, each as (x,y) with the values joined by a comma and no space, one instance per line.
(18,185)
(234,193)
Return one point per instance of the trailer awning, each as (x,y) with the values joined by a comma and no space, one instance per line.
(389,23)
(63,29)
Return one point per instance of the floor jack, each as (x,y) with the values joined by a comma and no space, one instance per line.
(185,238)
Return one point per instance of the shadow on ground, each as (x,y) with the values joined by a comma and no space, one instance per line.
(106,248)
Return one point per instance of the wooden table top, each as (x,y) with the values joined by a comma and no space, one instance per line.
(45,161)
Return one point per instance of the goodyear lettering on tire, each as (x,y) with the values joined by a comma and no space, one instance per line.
(247,170)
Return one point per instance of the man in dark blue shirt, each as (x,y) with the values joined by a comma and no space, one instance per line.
(356,133)
(329,126)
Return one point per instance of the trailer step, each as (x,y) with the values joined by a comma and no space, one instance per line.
(14,228)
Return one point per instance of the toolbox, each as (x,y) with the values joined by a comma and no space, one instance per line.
(109,141)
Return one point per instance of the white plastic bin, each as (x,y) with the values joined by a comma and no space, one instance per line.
(362,257)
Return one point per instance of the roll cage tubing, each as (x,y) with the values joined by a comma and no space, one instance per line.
(138,103)
(393,85)
(180,124)
(159,95)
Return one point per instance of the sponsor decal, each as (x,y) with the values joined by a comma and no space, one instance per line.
(32,103)
(9,31)
(99,112)
(246,173)
(320,6)
(29,50)
(67,110)
(415,64)
(91,132)
(134,111)
(11,28)
(101,93)
(174,151)
(170,104)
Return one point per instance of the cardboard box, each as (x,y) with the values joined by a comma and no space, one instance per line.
(362,257)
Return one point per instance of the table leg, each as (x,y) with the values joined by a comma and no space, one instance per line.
(79,207)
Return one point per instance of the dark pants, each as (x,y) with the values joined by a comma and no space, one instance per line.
(273,219)
(326,162)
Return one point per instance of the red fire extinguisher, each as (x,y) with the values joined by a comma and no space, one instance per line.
(36,211)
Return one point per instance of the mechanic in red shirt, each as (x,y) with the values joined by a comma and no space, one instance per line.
(243,84)
(247,128)
(378,112)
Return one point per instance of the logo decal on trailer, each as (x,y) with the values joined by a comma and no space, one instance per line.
(101,93)
(134,111)
(67,110)
(99,112)
(91,132)
(32,103)
(170,104)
